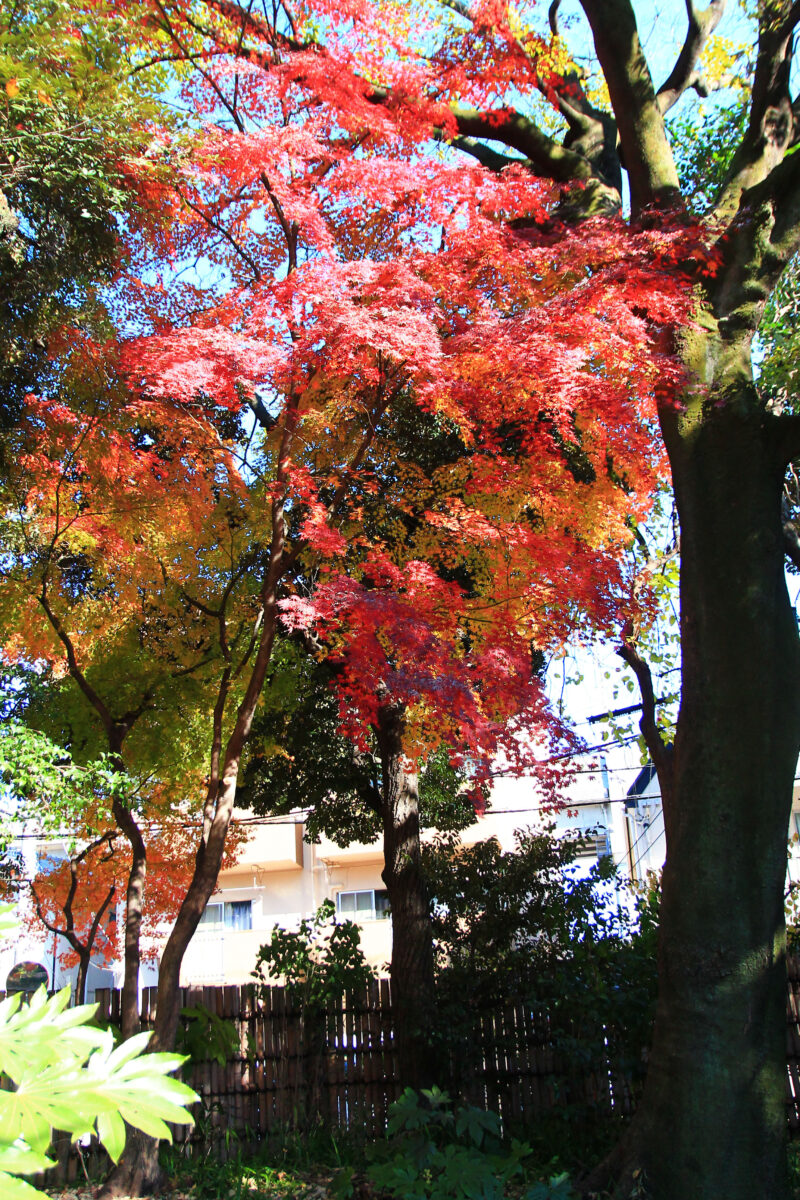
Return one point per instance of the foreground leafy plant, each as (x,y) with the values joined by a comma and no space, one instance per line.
(59,1072)
(436,1152)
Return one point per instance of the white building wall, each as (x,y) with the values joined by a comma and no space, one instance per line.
(286,880)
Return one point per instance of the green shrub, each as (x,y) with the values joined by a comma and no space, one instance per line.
(436,1152)
(203,1036)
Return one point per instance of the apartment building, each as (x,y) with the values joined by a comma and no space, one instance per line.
(279,879)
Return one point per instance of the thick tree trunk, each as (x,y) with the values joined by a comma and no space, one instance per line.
(712,1123)
(411,970)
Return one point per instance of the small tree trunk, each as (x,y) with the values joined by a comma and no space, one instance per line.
(84,960)
(712,1122)
(134,904)
(411,970)
(137,1173)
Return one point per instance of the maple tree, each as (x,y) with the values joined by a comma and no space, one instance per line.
(321,332)
(298,757)
(88,531)
(727,781)
(75,897)
(85,929)
(333,303)
(355,268)
(469,73)
(428,655)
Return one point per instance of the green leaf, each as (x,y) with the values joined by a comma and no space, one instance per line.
(20,1160)
(17,1189)
(111,1131)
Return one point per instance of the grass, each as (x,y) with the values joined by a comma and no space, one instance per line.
(289,1164)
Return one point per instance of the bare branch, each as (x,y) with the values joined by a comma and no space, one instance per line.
(659,751)
(484,154)
(459,6)
(545,156)
(647,154)
(772,123)
(684,75)
(256,24)
(214,223)
(264,418)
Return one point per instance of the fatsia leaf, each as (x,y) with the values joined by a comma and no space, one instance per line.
(17,1189)
(111,1131)
(21,1160)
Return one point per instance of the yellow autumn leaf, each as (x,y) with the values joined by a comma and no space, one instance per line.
(12,88)
(724,62)
(43,97)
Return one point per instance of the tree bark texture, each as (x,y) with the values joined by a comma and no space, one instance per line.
(712,1122)
(84,962)
(411,969)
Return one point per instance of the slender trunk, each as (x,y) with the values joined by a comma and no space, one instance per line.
(138,1172)
(79,996)
(712,1123)
(411,970)
(134,904)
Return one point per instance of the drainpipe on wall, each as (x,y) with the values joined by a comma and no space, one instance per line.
(629,840)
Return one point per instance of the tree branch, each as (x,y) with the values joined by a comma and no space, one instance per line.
(257,24)
(259,411)
(216,224)
(545,156)
(659,751)
(791,543)
(684,74)
(647,154)
(459,6)
(75,671)
(757,244)
(772,123)
(485,155)
(95,925)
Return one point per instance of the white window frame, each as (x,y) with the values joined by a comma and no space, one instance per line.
(364,914)
(220,925)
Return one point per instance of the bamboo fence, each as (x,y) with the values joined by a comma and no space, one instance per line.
(346,1077)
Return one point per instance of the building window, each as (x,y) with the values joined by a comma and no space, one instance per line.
(370,905)
(232,914)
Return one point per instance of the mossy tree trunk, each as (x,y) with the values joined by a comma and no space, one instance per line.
(716,1083)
